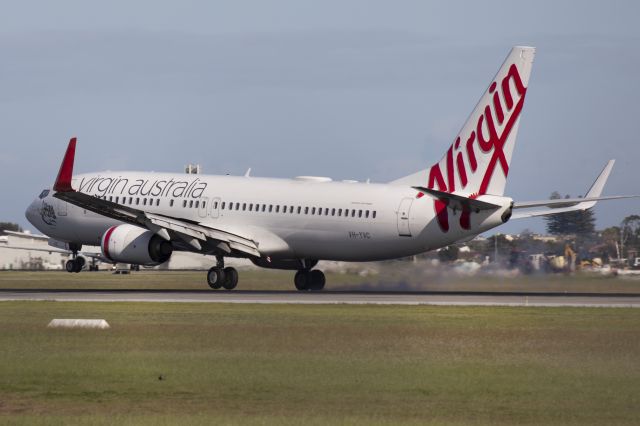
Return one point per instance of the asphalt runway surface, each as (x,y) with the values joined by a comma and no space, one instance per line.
(457,298)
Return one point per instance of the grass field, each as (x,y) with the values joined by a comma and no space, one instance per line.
(396,277)
(289,364)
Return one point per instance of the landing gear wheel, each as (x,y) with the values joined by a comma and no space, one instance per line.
(215,278)
(230,278)
(74,265)
(302,280)
(317,280)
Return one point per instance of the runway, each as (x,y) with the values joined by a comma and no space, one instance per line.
(329,297)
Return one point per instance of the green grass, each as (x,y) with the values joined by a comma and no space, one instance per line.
(288,364)
(396,276)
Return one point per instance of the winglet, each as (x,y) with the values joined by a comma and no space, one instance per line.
(63,181)
(598,185)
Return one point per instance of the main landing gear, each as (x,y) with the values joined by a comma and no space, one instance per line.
(309,280)
(76,263)
(219,276)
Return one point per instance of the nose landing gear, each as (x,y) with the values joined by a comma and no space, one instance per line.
(76,263)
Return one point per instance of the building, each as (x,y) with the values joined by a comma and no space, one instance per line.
(23,250)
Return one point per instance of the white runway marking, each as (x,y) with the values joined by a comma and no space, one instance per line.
(351,298)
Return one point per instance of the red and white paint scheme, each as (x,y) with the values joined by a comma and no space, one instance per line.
(142,218)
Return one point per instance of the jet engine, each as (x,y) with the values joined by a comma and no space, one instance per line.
(135,245)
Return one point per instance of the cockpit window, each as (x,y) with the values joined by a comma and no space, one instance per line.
(43,194)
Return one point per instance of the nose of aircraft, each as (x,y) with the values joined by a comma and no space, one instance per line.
(32,214)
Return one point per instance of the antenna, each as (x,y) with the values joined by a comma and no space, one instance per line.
(192,169)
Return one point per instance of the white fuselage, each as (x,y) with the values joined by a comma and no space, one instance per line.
(302,218)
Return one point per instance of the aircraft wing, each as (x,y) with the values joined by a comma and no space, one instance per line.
(192,233)
(569,204)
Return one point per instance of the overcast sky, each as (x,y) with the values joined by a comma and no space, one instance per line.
(346,89)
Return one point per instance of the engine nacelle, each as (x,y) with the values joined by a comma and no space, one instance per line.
(132,244)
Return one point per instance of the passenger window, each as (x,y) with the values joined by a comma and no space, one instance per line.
(313,210)
(366,214)
(251,207)
(277,209)
(197,204)
(333,212)
(374,214)
(359,213)
(299,209)
(171,203)
(270,208)
(215,205)
(190,203)
(326,211)
(184,203)
(137,201)
(222,206)
(144,201)
(110,199)
(306,210)
(157,201)
(204,204)
(244,207)
(353,213)
(339,212)
(264,208)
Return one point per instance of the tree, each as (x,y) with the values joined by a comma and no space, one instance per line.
(448,254)
(9,226)
(579,223)
(630,232)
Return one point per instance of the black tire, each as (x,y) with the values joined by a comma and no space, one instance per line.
(302,280)
(230,278)
(317,280)
(215,278)
(70,266)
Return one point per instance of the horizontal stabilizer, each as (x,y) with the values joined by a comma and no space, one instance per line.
(458,201)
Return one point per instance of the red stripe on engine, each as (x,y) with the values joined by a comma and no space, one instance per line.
(105,242)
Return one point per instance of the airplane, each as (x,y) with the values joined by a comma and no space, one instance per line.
(291,224)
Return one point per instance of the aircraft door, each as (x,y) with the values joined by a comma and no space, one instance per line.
(215,208)
(204,206)
(403,217)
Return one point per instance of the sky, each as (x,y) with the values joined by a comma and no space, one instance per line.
(346,89)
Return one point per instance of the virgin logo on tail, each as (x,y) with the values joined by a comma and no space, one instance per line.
(499,115)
